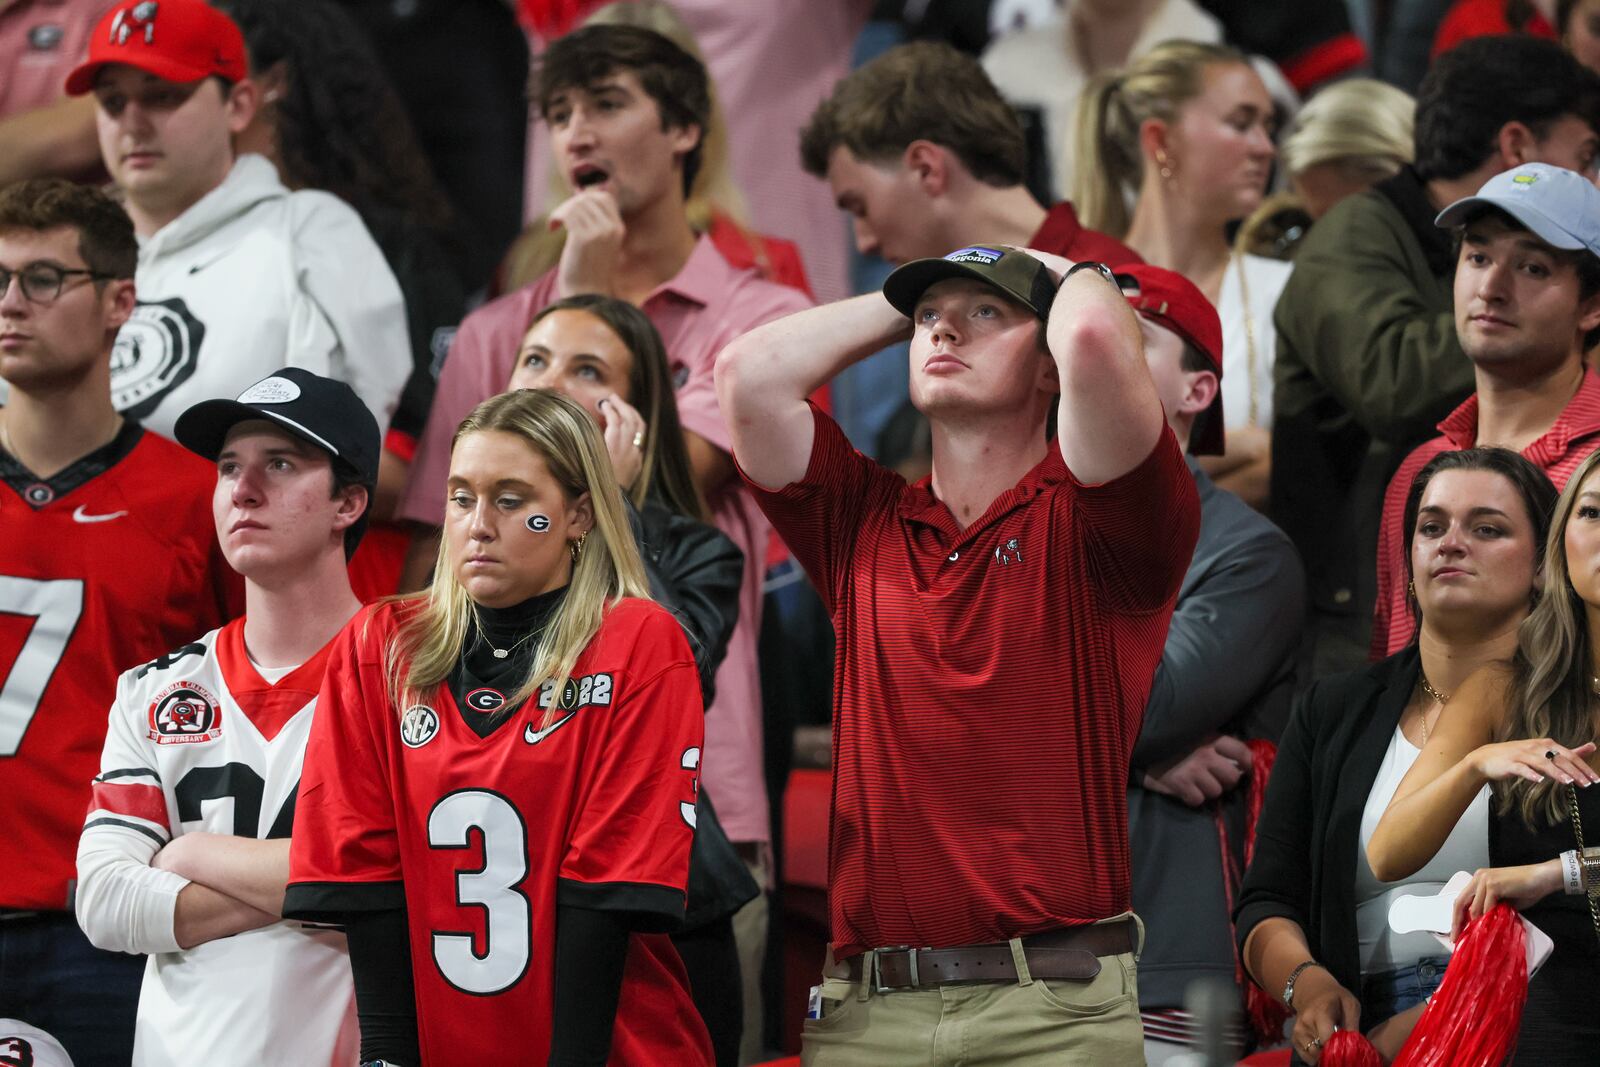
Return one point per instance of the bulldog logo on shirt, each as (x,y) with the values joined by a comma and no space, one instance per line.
(157,350)
(184,714)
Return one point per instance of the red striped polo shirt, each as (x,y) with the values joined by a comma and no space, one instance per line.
(989,684)
(1568,442)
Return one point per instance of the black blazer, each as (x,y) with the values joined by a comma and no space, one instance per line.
(1304,867)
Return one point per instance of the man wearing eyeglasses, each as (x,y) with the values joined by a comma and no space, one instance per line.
(238,275)
(107,561)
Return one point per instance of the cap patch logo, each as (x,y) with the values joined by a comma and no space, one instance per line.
(184,714)
(272,390)
(1524,179)
(418,726)
(986,256)
(131,20)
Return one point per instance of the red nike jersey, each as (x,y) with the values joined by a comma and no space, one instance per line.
(591,804)
(107,565)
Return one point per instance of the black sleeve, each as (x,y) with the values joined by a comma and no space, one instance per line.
(695,573)
(591,949)
(386,1002)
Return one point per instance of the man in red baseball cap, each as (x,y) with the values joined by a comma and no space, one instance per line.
(1241,604)
(238,275)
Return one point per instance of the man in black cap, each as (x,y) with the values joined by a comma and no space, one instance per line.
(998,626)
(215,732)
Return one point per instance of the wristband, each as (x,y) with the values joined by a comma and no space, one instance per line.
(1571,873)
(1294,976)
(1096,266)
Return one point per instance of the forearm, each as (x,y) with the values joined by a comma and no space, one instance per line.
(792,357)
(1415,826)
(386,1005)
(53,141)
(1273,950)
(123,904)
(591,952)
(251,871)
(203,914)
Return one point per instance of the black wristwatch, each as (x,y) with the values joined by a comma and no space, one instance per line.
(1094,265)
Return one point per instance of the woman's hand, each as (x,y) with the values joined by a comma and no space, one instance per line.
(621,426)
(1321,1006)
(1535,760)
(1517,886)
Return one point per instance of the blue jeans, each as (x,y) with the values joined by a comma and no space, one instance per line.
(1385,994)
(52,978)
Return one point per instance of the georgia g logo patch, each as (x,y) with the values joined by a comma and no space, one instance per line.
(184,714)
(418,726)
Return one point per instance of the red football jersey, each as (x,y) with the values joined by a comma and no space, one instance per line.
(107,565)
(590,804)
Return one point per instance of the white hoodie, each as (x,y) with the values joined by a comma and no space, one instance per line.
(252,278)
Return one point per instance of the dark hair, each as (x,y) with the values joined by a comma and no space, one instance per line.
(674,79)
(925,90)
(1564,10)
(666,474)
(1474,89)
(105,233)
(341,126)
(1532,485)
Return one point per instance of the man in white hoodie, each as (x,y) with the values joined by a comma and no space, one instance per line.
(237,274)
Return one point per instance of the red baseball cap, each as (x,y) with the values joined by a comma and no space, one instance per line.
(178,40)
(1168,299)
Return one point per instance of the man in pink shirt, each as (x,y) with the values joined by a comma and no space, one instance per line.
(625,109)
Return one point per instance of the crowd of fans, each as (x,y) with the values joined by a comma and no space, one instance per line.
(1142,457)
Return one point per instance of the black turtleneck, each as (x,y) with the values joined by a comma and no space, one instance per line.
(481,681)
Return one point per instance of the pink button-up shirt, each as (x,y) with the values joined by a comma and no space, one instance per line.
(40,42)
(707,305)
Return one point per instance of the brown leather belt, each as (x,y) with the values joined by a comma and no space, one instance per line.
(1070,953)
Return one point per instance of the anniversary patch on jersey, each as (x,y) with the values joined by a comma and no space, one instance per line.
(184,714)
(486,699)
(157,350)
(418,725)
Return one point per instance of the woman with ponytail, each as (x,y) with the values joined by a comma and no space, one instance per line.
(498,797)
(1527,729)
(1312,920)
(1171,150)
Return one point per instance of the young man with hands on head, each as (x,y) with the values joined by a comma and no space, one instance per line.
(958,602)
(185,850)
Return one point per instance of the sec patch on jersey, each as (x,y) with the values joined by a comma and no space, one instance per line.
(184,714)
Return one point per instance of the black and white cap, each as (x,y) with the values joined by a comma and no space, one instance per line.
(318,410)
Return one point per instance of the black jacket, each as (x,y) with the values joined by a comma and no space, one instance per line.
(695,573)
(1310,828)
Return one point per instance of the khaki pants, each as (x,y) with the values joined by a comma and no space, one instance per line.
(750,933)
(1033,1022)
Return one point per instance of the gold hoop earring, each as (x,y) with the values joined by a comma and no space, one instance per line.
(575,546)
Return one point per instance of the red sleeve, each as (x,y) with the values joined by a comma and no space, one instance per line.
(344,854)
(628,849)
(1391,618)
(1140,530)
(818,517)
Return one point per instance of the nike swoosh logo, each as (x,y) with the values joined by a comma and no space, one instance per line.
(533,737)
(83,516)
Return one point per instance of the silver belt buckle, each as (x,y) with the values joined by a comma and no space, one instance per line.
(911,965)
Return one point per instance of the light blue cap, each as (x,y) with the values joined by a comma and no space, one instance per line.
(1560,206)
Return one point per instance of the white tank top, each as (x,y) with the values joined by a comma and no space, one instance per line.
(1466,849)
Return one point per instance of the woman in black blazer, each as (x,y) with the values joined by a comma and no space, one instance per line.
(1475,527)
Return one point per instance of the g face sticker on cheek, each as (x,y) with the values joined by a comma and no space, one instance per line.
(538,523)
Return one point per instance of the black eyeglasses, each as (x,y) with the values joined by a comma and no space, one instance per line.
(42,282)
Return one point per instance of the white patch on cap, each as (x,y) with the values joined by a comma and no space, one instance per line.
(986,256)
(272,390)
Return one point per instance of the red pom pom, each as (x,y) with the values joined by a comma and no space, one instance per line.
(1347,1048)
(1474,1017)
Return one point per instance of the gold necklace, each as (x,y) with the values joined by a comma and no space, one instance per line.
(1440,698)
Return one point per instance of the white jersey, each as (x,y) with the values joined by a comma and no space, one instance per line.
(199,741)
(22,1045)
(251,278)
